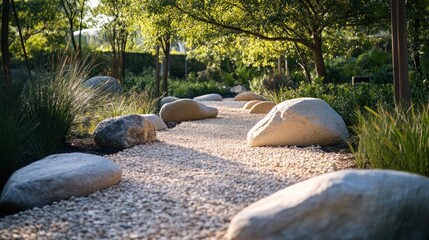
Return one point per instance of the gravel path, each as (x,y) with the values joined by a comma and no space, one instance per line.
(186,186)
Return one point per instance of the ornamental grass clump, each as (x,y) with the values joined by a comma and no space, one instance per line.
(52,104)
(114,105)
(37,115)
(394,139)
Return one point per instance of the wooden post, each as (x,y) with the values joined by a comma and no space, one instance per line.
(400,51)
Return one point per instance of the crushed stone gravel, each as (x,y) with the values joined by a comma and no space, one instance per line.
(187,185)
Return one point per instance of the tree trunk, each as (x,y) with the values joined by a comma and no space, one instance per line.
(72,36)
(399,49)
(318,58)
(4,45)
(123,48)
(21,38)
(80,27)
(166,64)
(157,72)
(304,62)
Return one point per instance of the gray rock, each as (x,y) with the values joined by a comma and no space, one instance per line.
(186,110)
(352,204)
(106,84)
(238,89)
(209,97)
(156,121)
(59,177)
(301,122)
(167,99)
(124,131)
(248,96)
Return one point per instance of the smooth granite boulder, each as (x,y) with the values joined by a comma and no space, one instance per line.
(124,131)
(167,99)
(300,122)
(250,104)
(59,177)
(106,84)
(262,107)
(209,97)
(186,110)
(156,121)
(248,96)
(352,204)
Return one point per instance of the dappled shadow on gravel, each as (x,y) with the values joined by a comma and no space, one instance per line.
(167,191)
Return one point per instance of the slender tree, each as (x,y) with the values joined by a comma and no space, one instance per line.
(4,45)
(21,38)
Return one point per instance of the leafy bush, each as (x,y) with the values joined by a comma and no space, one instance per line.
(397,139)
(143,81)
(276,82)
(187,89)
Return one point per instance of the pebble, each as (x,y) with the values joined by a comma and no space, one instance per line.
(187,185)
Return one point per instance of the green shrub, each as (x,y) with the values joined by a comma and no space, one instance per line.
(277,81)
(143,81)
(187,89)
(397,139)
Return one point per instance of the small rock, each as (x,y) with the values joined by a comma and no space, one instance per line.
(250,104)
(167,99)
(106,84)
(262,107)
(156,121)
(209,97)
(238,89)
(248,96)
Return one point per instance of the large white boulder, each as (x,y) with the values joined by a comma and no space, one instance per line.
(301,122)
(58,177)
(248,96)
(186,110)
(209,97)
(353,204)
(156,121)
(106,84)
(124,131)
